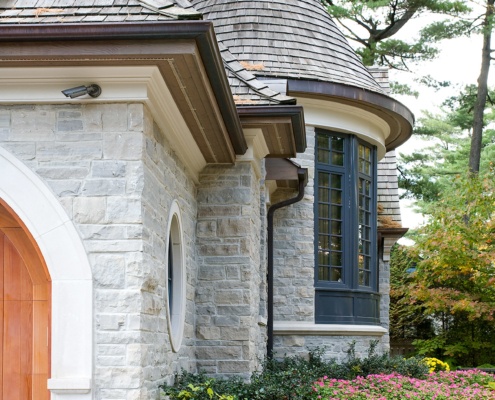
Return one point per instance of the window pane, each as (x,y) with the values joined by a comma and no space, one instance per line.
(336,274)
(336,228)
(324,243)
(337,181)
(324,195)
(337,159)
(323,180)
(323,142)
(336,243)
(324,257)
(336,258)
(323,274)
(336,212)
(338,143)
(324,210)
(336,197)
(323,225)
(323,156)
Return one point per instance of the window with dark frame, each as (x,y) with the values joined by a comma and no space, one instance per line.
(346,281)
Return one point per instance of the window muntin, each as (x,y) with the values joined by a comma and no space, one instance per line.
(346,216)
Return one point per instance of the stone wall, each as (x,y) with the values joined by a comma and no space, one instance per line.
(228,289)
(165,180)
(115,175)
(293,245)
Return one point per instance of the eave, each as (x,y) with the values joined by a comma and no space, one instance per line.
(185,53)
(283,127)
(398,117)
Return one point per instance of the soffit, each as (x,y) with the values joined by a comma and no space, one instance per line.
(179,62)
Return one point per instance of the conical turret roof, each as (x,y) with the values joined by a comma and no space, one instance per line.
(287,39)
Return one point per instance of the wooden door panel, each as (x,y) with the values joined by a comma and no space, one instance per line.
(11,272)
(12,350)
(26,354)
(24,321)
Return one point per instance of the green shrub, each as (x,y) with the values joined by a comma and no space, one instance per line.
(292,378)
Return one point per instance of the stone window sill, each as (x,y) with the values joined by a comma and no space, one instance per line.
(312,329)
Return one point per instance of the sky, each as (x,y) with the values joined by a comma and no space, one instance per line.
(458,62)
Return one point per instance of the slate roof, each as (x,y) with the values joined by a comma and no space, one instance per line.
(246,88)
(387,180)
(287,39)
(93,11)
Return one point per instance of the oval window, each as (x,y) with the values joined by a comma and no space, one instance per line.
(175,278)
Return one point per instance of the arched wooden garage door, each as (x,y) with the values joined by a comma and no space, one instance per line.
(24,314)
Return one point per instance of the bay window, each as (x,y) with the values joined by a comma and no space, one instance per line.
(346,281)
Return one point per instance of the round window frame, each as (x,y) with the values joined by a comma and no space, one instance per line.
(175,314)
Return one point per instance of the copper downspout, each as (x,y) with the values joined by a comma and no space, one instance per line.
(302,178)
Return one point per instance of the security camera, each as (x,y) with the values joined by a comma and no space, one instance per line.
(93,90)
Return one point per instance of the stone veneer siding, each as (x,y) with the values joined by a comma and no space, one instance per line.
(116,177)
(294,274)
(228,288)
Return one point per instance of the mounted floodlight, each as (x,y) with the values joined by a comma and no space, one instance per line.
(93,90)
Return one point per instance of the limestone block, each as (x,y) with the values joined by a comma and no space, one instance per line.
(32,125)
(230,333)
(103,187)
(114,117)
(108,169)
(89,210)
(94,231)
(108,271)
(110,361)
(123,146)
(68,150)
(135,117)
(66,187)
(70,125)
(110,322)
(218,352)
(118,301)
(219,250)
(93,117)
(111,349)
(206,229)
(226,320)
(118,377)
(208,333)
(23,151)
(230,367)
(234,227)
(123,210)
(228,297)
(212,273)
(63,172)
(211,211)
(4,125)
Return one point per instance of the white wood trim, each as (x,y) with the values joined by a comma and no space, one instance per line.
(312,329)
(344,118)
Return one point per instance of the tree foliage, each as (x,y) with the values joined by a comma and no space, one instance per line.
(426,173)
(454,279)
(373,26)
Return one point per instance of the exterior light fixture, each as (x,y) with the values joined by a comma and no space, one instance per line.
(93,90)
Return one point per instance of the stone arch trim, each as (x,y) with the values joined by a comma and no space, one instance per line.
(72,292)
